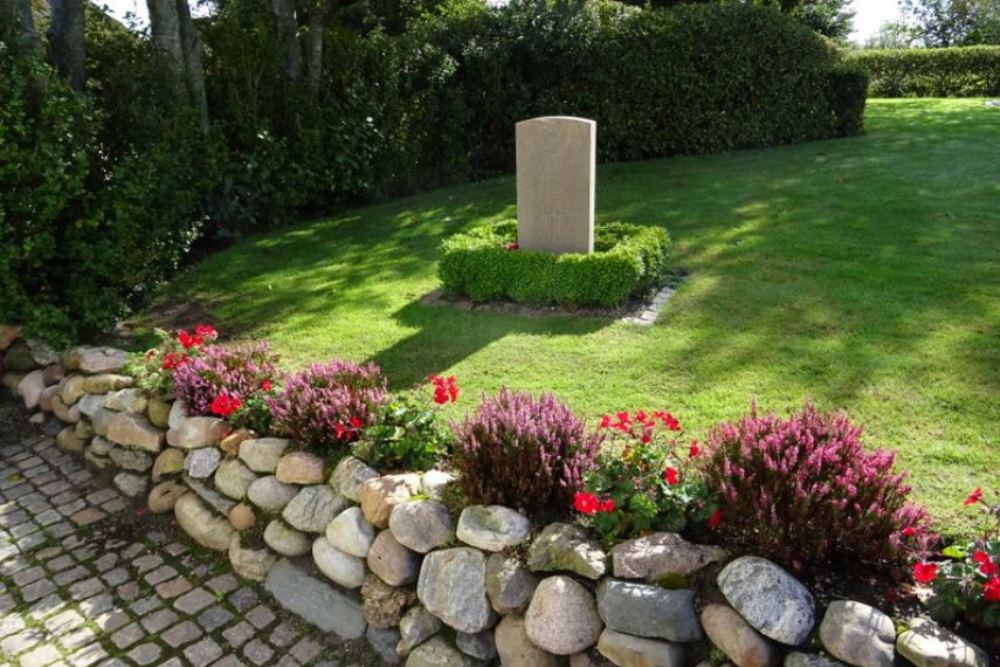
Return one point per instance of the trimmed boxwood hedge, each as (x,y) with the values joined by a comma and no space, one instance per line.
(966,71)
(628,261)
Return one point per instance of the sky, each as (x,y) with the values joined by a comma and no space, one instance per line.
(869,14)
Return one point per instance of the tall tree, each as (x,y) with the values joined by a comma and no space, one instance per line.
(66,40)
(954,22)
(833,18)
(288,34)
(18,13)
(176,41)
(317,28)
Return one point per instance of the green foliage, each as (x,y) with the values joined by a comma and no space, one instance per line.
(406,435)
(152,369)
(971,71)
(943,23)
(848,83)
(628,261)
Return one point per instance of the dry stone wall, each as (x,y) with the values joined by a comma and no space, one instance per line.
(381,556)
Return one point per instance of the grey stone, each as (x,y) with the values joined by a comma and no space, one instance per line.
(384,604)
(100,446)
(434,482)
(31,387)
(270,494)
(480,645)
(351,533)
(104,383)
(300,468)
(349,476)
(653,556)
(858,634)
(129,484)
(648,611)
(342,569)
(176,417)
(158,411)
(125,400)
(492,527)
(315,601)
(263,454)
(91,403)
(101,420)
(18,358)
(927,644)
(169,462)
(422,525)
(71,389)
(204,526)
(392,562)
(384,641)
(196,432)
(628,651)
(201,463)
(566,547)
(313,508)
(379,496)
(68,440)
(799,659)
(42,353)
(128,428)
(95,359)
(741,643)
(286,541)
(509,584)
(164,496)
(516,649)
(562,617)
(215,500)
(253,564)
(415,627)
(436,652)
(770,599)
(233,478)
(452,586)
(131,459)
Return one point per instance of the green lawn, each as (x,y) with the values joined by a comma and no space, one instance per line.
(862,272)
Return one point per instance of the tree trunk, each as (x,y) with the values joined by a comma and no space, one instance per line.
(288,34)
(176,40)
(191,46)
(317,16)
(25,35)
(66,40)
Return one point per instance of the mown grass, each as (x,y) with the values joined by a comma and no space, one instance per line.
(861,272)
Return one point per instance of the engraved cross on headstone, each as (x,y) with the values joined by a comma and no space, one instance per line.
(555,184)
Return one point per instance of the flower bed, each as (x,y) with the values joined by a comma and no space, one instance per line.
(630,561)
(486,264)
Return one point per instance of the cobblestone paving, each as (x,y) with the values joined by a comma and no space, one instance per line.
(86,580)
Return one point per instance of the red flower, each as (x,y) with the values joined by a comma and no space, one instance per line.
(608,505)
(924,573)
(172,360)
(266,385)
(187,340)
(974,497)
(909,531)
(445,389)
(671,476)
(205,331)
(991,590)
(586,503)
(605,421)
(512,245)
(715,519)
(225,405)
(355,422)
(340,431)
(980,556)
(695,450)
(989,568)
(668,420)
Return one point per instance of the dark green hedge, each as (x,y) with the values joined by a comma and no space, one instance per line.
(968,71)
(628,260)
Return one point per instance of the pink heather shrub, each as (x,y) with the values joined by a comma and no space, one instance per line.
(805,492)
(237,371)
(329,404)
(523,453)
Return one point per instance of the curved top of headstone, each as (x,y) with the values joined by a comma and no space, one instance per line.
(556,158)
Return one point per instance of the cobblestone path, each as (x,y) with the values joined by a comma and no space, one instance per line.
(85,580)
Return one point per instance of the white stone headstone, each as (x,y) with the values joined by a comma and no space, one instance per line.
(556,158)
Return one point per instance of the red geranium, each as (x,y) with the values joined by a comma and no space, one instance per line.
(974,497)
(924,573)
(980,556)
(266,385)
(671,476)
(445,389)
(715,519)
(695,450)
(187,340)
(608,505)
(991,590)
(512,245)
(909,531)
(172,360)
(205,331)
(225,405)
(586,503)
